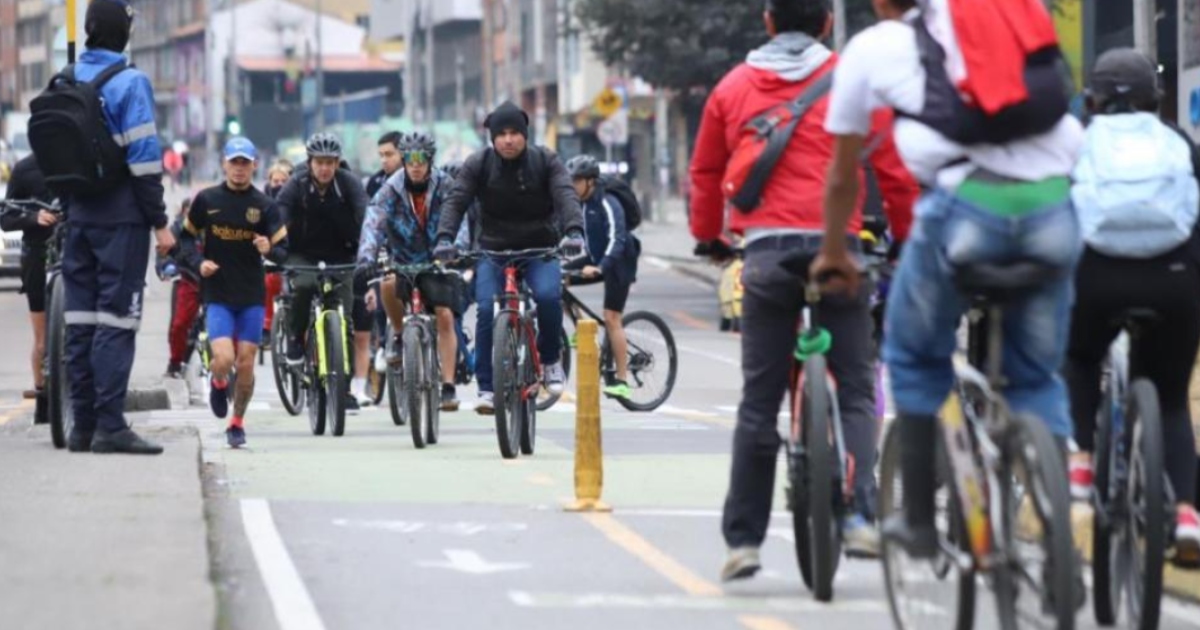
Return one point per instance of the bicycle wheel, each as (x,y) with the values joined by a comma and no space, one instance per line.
(412,387)
(395,389)
(529,406)
(821,480)
(1106,591)
(1141,539)
(62,415)
(797,484)
(653,361)
(432,384)
(1036,513)
(335,379)
(506,377)
(934,593)
(287,381)
(545,399)
(317,407)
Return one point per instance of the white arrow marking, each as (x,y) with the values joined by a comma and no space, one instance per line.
(469,561)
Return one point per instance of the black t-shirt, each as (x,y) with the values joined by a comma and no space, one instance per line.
(228,220)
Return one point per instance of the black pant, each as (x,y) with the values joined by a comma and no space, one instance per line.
(771,308)
(1164,352)
(305,290)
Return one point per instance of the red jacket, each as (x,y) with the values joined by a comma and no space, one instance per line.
(794,196)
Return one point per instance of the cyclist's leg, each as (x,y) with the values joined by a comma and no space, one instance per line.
(544,278)
(361,320)
(852,361)
(616,294)
(33,285)
(772,304)
(304,288)
(441,294)
(489,282)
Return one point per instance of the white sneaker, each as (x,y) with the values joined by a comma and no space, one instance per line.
(740,564)
(364,399)
(554,378)
(485,406)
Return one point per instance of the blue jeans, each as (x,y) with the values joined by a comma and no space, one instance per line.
(924,307)
(544,279)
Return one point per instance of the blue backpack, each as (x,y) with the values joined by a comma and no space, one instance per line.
(1134,187)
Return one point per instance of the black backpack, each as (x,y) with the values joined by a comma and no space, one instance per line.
(74,147)
(620,189)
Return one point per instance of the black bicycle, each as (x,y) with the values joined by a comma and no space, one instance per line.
(652,359)
(326,365)
(289,382)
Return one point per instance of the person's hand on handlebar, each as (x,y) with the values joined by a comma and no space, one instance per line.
(46,218)
(717,250)
(572,245)
(590,271)
(445,251)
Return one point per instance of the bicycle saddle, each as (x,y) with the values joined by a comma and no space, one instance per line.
(1133,318)
(1002,282)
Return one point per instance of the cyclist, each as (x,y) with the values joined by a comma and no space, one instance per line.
(389,162)
(404,215)
(25,183)
(788,220)
(185,294)
(239,226)
(323,205)
(1124,90)
(526,201)
(982,202)
(611,253)
(280,171)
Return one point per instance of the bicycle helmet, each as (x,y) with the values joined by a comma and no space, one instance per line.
(418,141)
(324,145)
(583,167)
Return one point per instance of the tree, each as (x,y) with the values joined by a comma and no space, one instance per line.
(684,45)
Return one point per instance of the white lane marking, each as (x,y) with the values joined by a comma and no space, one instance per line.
(294,608)
(655,261)
(526,599)
(459,528)
(467,561)
(710,355)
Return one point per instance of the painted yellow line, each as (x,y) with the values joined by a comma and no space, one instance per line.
(692,321)
(754,622)
(651,556)
(25,405)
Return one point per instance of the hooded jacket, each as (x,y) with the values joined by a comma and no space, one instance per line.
(793,198)
(392,222)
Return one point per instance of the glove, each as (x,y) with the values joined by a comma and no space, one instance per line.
(716,250)
(572,245)
(445,251)
(170,270)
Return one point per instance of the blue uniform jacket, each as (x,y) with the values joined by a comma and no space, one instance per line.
(391,220)
(610,246)
(129,114)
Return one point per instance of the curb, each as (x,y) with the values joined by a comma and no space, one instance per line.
(689,268)
(154,399)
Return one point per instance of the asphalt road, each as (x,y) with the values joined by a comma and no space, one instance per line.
(364,531)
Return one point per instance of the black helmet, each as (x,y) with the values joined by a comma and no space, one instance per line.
(324,145)
(583,167)
(451,169)
(418,141)
(1124,79)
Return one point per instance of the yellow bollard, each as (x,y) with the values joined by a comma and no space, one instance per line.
(589,462)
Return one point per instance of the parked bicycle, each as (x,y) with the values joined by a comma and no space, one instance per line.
(1002,497)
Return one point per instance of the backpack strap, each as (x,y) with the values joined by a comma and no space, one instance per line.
(106,74)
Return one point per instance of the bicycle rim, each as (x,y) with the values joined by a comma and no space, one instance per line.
(816,409)
(934,594)
(506,383)
(414,383)
(1036,586)
(291,391)
(1144,534)
(653,361)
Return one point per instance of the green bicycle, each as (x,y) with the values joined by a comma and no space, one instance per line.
(326,367)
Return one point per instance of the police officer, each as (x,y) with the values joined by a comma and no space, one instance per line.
(106,252)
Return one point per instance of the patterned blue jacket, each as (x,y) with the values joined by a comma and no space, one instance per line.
(391,220)
(128,101)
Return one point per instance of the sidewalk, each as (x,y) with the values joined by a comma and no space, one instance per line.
(667,240)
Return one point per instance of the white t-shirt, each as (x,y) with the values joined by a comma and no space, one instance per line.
(881,68)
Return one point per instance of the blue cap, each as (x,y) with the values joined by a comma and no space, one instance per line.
(240,146)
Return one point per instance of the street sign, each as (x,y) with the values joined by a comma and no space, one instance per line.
(607,103)
(615,129)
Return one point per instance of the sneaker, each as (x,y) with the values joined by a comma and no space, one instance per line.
(555,378)
(295,351)
(860,536)
(1082,477)
(363,398)
(449,397)
(174,370)
(80,441)
(921,542)
(573,340)
(218,398)
(485,406)
(618,389)
(235,436)
(352,405)
(741,563)
(124,441)
(1187,537)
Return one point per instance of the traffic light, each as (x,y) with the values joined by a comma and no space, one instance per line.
(232,126)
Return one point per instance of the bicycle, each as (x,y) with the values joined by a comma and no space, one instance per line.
(1001,490)
(647,351)
(326,363)
(1131,497)
(289,382)
(59,412)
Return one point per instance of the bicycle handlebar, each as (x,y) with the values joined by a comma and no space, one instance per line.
(37,204)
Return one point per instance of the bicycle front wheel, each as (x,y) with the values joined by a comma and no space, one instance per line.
(653,360)
(287,380)
(317,407)
(413,385)
(507,382)
(335,378)
(1037,585)
(62,416)
(397,404)
(432,384)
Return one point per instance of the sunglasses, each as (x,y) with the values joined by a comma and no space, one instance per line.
(415,157)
